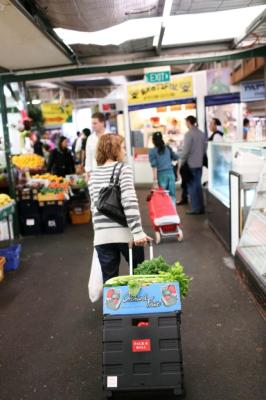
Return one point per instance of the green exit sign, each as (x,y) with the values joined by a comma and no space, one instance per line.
(158,77)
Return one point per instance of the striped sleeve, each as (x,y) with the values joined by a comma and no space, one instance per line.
(130,203)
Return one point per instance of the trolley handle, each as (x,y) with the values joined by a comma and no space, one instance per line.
(131,255)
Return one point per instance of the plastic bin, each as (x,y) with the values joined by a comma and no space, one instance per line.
(12,256)
(142,353)
(31,224)
(53,217)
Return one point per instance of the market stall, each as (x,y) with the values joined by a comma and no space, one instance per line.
(159,107)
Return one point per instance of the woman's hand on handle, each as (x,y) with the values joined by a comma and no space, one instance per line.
(143,242)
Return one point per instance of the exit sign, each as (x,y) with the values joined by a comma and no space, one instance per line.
(157,75)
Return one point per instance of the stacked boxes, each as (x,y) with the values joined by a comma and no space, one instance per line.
(142,341)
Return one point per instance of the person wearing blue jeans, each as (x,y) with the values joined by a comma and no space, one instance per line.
(195,191)
(195,146)
(161,157)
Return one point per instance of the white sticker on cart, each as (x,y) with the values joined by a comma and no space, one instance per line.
(112,381)
(30,222)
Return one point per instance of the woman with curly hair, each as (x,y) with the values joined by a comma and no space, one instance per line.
(110,238)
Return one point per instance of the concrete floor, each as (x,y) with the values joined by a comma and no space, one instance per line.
(50,335)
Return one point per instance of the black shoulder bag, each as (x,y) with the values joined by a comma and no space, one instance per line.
(109,201)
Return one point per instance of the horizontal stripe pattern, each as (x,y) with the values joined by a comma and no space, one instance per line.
(100,178)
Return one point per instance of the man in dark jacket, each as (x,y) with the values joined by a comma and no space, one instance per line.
(195,147)
(61,162)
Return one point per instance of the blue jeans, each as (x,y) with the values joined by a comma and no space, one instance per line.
(110,256)
(195,190)
(166,180)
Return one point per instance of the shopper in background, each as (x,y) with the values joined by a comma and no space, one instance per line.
(216,136)
(98,127)
(85,134)
(161,157)
(110,238)
(38,146)
(195,147)
(217,130)
(61,161)
(76,147)
(246,127)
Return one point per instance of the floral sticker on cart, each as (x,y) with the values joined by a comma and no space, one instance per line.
(113,299)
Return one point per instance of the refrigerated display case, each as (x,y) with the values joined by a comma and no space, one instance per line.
(223,158)
(251,251)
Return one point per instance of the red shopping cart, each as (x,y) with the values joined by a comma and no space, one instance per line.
(163,215)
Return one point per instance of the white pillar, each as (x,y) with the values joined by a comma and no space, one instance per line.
(127,125)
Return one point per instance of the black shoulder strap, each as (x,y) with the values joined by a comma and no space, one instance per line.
(118,174)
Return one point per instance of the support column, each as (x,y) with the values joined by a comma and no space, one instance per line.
(11,180)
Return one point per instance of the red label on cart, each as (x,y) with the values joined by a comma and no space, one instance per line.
(140,345)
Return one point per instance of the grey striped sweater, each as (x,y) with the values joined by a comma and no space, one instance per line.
(106,230)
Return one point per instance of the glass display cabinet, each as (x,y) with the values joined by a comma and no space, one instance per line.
(251,251)
(246,160)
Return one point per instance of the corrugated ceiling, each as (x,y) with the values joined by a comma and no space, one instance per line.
(93,15)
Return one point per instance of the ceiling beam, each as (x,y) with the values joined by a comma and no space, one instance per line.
(251,28)
(94,69)
(160,41)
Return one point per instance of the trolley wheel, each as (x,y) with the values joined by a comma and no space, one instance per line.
(180,235)
(157,237)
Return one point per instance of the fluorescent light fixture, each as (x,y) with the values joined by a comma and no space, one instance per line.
(179,29)
(207,27)
(36,101)
(116,35)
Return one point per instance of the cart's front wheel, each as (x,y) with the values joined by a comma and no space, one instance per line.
(157,237)
(180,235)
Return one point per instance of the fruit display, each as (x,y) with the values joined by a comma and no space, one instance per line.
(77,181)
(28,161)
(5,200)
(51,193)
(155,271)
(49,177)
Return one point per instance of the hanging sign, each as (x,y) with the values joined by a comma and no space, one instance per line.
(57,114)
(252,90)
(157,75)
(177,88)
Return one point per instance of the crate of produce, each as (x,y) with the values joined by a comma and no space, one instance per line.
(142,353)
(26,193)
(53,216)
(12,256)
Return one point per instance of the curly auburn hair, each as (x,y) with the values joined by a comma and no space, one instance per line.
(109,148)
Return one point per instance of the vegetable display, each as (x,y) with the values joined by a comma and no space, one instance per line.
(153,271)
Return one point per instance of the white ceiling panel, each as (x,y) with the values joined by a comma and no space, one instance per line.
(22,44)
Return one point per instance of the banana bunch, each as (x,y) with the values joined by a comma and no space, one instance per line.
(4,200)
(28,161)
